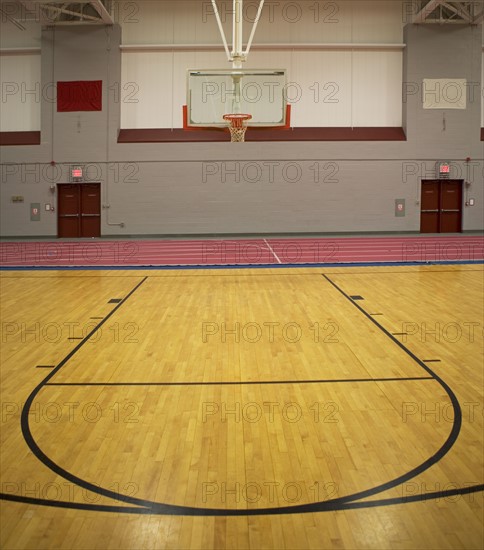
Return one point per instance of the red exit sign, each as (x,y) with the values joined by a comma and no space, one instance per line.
(77,173)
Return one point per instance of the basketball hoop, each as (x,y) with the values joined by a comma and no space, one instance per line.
(237,126)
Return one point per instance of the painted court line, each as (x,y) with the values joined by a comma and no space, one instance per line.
(274,254)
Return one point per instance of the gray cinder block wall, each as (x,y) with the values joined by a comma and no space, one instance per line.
(206,188)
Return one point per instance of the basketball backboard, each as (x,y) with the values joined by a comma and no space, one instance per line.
(213,93)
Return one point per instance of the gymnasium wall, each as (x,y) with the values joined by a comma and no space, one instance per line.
(343,60)
(268,187)
(20,77)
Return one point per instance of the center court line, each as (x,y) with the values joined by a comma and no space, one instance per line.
(241,383)
(273,253)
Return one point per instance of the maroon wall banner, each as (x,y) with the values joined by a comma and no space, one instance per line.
(79,95)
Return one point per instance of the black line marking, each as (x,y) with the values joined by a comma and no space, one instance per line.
(45,367)
(417,498)
(431,360)
(96,317)
(376,313)
(190,511)
(341,503)
(456,425)
(75,338)
(242,383)
(115,301)
(357,297)
(73,505)
(24,419)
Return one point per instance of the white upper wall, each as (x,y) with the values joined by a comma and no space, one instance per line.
(19,73)
(282,21)
(325,88)
(336,88)
(20,86)
(13,35)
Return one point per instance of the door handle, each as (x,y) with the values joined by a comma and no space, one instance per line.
(449,210)
(91,215)
(427,211)
(68,215)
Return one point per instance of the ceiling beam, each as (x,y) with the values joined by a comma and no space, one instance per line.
(12,20)
(63,22)
(33,8)
(478,18)
(460,11)
(102,11)
(81,16)
(422,15)
(43,8)
(54,2)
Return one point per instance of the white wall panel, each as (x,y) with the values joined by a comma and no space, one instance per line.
(377,89)
(324,79)
(160,82)
(326,88)
(12,36)
(282,21)
(21,93)
(145,22)
(378,21)
(150,75)
(303,22)
(183,61)
(482,92)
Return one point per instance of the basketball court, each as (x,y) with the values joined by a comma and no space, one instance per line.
(234,317)
(212,406)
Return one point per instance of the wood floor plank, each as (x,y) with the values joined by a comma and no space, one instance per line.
(243,390)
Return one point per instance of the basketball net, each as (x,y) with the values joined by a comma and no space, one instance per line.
(237,126)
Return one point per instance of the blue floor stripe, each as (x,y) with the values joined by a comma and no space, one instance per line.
(234,266)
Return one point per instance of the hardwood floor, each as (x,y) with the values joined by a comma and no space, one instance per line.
(243,408)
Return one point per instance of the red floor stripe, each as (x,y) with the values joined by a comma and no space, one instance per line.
(241,251)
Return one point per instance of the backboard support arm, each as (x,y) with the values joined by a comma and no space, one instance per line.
(254,27)
(221,29)
(238,55)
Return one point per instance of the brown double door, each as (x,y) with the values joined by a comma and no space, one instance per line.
(78,210)
(441,206)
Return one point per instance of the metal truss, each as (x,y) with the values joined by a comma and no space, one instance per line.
(58,12)
(445,12)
